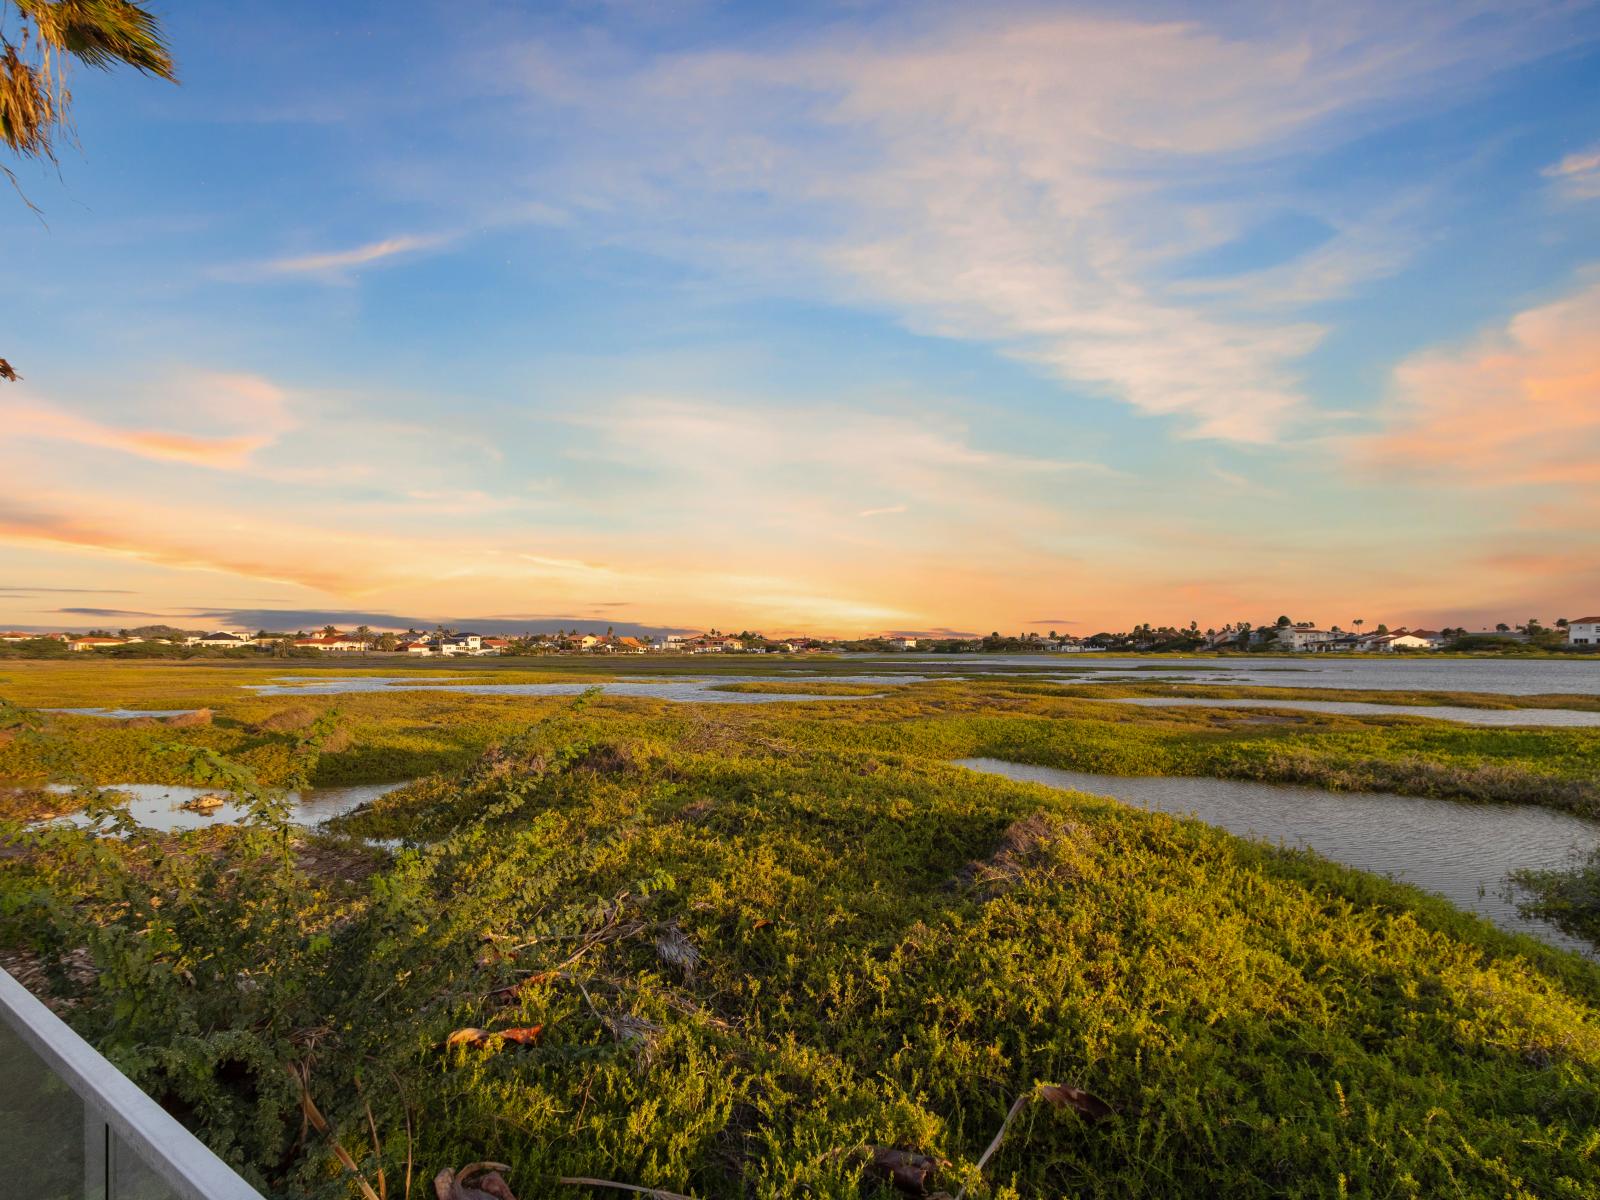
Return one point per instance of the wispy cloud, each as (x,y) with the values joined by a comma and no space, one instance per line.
(47,591)
(222,453)
(1031,179)
(885,511)
(1577,176)
(210,399)
(339,266)
(104,612)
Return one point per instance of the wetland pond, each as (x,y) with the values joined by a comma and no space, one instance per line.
(160,805)
(1460,851)
(1569,718)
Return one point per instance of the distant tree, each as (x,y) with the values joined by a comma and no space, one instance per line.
(1382,628)
(1358,623)
(1561,622)
(1503,627)
(387,641)
(1284,622)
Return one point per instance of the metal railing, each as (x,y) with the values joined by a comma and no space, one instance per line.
(73,1127)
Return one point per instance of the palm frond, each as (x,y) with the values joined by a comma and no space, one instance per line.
(101,33)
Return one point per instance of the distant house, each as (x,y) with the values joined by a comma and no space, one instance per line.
(1585,631)
(901,643)
(1303,637)
(678,642)
(220,641)
(333,643)
(17,636)
(461,643)
(1400,640)
(627,645)
(97,643)
(495,645)
(421,649)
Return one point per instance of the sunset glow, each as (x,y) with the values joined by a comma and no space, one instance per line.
(859,320)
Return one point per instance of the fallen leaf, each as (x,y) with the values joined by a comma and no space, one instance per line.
(522,1035)
(488,1183)
(1064,1095)
(906,1169)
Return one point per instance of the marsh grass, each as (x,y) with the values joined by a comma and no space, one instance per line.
(883,952)
(400,735)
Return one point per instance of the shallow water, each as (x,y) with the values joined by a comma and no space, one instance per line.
(122,714)
(699,690)
(1460,851)
(1402,673)
(1500,678)
(1565,717)
(156,805)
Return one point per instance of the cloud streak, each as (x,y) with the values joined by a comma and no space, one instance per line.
(217,399)
(1577,176)
(1036,180)
(339,266)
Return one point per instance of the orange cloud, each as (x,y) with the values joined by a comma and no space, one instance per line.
(219,452)
(1521,407)
(227,399)
(131,537)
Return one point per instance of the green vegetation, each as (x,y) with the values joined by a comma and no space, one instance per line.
(731,950)
(1570,898)
(401,735)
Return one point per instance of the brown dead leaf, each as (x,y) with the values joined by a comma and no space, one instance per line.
(522,1035)
(905,1169)
(486,1183)
(1063,1095)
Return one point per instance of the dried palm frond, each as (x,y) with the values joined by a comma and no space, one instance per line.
(34,100)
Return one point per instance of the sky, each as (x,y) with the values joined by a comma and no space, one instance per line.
(846,318)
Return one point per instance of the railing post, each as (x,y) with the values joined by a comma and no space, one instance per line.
(96,1154)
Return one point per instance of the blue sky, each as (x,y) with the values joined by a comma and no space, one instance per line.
(846,317)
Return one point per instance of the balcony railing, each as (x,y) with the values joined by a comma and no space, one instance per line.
(73,1127)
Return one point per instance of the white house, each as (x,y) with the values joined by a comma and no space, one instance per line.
(461,643)
(98,643)
(1402,641)
(336,643)
(219,640)
(1303,637)
(1585,631)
